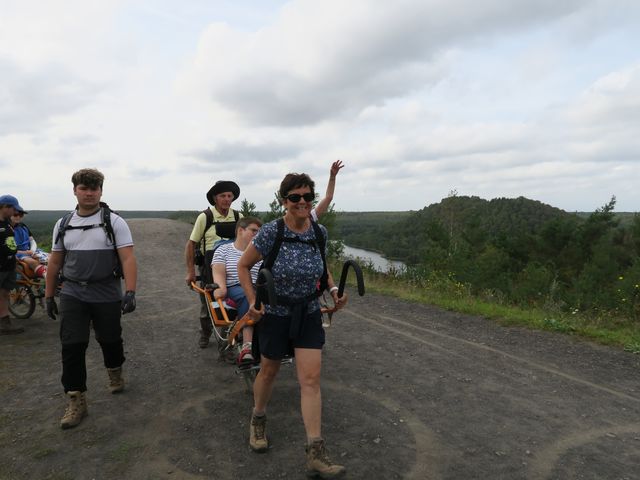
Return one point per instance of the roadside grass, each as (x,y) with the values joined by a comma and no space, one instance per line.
(604,328)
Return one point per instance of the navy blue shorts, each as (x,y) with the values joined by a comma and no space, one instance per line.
(273,335)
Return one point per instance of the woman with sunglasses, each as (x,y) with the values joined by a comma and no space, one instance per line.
(294,326)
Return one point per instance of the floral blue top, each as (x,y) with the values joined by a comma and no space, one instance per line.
(298,266)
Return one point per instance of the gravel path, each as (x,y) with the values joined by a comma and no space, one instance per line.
(410,392)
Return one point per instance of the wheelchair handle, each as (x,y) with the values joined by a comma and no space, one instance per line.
(343,277)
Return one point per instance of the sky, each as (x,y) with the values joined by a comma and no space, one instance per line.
(421,99)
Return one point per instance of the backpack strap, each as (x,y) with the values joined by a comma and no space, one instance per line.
(320,242)
(273,253)
(63,226)
(209,223)
(105,223)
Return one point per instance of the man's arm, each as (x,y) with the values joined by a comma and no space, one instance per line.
(323,205)
(190,261)
(53,269)
(129,268)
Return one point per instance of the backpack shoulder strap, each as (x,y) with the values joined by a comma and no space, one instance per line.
(209,220)
(63,226)
(208,223)
(106,221)
(273,253)
(322,243)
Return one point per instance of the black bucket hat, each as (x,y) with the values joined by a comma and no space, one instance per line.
(223,186)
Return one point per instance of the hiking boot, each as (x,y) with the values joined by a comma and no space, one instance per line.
(318,462)
(116,382)
(203,342)
(7,328)
(245,355)
(76,410)
(258,434)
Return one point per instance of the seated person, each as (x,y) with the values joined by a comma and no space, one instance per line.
(27,248)
(225,273)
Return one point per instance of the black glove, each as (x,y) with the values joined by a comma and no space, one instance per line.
(52,308)
(128,302)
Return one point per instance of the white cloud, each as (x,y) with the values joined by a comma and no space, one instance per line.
(418,97)
(324,60)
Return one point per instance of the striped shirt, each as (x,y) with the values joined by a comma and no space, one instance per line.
(228,255)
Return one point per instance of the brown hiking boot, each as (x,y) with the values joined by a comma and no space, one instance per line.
(76,410)
(7,328)
(116,382)
(318,462)
(258,434)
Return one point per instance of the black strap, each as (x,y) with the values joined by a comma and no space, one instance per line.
(105,223)
(209,223)
(320,242)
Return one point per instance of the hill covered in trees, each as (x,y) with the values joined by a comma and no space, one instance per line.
(518,249)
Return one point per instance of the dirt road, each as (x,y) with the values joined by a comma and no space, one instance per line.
(410,392)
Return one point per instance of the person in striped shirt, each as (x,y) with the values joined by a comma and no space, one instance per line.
(225,273)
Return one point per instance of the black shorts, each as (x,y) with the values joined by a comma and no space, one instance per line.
(273,335)
(77,316)
(8,280)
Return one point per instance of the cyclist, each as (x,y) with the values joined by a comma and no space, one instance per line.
(8,206)
(28,250)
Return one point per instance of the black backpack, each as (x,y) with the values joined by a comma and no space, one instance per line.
(105,223)
(224,230)
(320,242)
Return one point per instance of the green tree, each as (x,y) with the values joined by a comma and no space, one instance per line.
(276,210)
(248,209)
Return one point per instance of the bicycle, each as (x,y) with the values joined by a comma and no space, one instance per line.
(29,289)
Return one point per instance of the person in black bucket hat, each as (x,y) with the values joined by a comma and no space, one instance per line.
(214,224)
(222,186)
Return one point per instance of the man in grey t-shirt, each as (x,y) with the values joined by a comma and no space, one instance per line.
(92,250)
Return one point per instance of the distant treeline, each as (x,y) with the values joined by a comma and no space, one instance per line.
(515,250)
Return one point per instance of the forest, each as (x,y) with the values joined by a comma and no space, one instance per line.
(517,251)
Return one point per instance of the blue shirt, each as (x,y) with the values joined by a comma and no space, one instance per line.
(22,233)
(298,266)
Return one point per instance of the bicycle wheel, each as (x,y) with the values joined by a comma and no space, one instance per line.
(22,302)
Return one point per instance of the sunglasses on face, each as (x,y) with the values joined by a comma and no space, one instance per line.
(295,197)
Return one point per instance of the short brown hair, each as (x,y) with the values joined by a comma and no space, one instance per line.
(295,180)
(89,177)
(244,222)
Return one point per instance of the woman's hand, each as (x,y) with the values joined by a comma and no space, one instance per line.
(254,314)
(339,302)
(220,292)
(335,168)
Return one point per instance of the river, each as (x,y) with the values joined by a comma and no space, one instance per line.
(378,261)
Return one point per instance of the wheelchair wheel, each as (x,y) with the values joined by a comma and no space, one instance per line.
(22,302)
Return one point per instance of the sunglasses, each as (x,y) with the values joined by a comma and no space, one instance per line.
(295,197)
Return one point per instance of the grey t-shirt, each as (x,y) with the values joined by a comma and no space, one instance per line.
(89,257)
